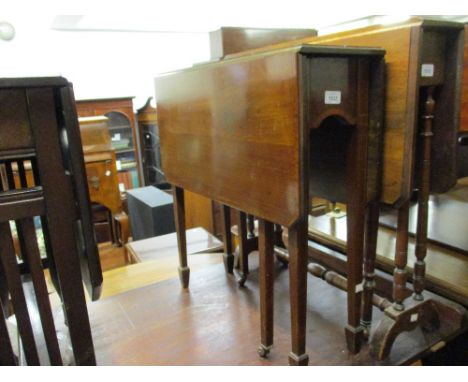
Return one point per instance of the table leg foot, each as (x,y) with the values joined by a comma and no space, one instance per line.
(264,350)
(354,338)
(298,360)
(228,260)
(184,276)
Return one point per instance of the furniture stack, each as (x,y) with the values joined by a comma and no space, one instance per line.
(272,127)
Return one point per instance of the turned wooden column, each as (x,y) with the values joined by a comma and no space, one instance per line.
(372,226)
(423,195)
(401,257)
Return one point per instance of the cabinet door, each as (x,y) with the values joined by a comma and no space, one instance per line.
(122,138)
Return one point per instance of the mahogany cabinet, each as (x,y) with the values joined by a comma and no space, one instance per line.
(124,136)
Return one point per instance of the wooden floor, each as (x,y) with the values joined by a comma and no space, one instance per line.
(217,323)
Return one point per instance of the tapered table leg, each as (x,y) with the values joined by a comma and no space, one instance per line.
(297,244)
(243,253)
(372,226)
(228,256)
(401,258)
(266,271)
(179,214)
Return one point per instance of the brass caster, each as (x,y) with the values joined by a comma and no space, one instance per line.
(263,351)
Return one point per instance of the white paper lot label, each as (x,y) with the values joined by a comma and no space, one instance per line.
(332,97)
(427,70)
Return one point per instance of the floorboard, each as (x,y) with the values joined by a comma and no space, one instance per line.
(217,323)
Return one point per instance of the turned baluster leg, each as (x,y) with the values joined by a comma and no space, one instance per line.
(372,226)
(243,255)
(423,196)
(266,276)
(228,256)
(297,245)
(250,226)
(401,258)
(179,215)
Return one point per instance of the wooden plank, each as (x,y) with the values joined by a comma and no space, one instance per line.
(89,256)
(245,115)
(30,252)
(7,357)
(61,212)
(15,288)
(19,208)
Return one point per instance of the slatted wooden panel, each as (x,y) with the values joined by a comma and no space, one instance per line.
(15,288)
(31,255)
(42,177)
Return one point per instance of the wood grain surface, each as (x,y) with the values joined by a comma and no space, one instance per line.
(220,127)
(216,323)
(406,45)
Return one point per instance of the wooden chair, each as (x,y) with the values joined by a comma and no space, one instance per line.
(39,128)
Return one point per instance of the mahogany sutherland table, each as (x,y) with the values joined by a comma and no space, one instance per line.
(422,107)
(253,133)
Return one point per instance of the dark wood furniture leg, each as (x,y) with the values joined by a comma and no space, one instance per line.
(266,273)
(243,251)
(250,226)
(423,196)
(297,244)
(401,258)
(30,251)
(228,256)
(372,227)
(179,214)
(356,210)
(13,277)
(427,314)
(7,357)
(60,219)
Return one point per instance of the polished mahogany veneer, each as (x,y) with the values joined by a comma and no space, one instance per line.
(419,53)
(248,133)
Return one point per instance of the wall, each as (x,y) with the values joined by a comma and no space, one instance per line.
(100,64)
